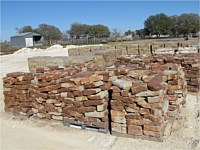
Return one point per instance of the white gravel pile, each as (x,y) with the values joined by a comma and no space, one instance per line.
(55,48)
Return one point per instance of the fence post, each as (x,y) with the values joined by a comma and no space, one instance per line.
(151,50)
(138,50)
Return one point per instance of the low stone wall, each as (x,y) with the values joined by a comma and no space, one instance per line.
(181,47)
(44,61)
(99,57)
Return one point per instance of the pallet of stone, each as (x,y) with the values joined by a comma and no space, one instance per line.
(177,86)
(173,72)
(46,91)
(78,125)
(16,96)
(85,101)
(192,72)
(138,107)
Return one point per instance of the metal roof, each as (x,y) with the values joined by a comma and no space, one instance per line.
(26,33)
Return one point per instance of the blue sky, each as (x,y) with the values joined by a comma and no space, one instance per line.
(123,15)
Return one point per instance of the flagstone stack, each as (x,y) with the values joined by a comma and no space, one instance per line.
(45,90)
(86,101)
(177,86)
(16,96)
(138,106)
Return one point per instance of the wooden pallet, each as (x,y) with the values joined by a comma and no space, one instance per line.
(86,127)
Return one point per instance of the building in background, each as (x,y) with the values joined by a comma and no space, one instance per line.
(26,39)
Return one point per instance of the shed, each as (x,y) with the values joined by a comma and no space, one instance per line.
(26,39)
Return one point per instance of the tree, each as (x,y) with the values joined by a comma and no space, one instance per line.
(129,32)
(188,23)
(184,24)
(116,33)
(158,24)
(175,30)
(49,32)
(78,30)
(24,29)
(141,33)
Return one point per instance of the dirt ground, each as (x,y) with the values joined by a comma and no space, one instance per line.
(31,134)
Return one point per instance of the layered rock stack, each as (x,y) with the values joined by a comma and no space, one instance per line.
(177,86)
(190,64)
(86,101)
(16,96)
(46,91)
(134,98)
(191,67)
(138,106)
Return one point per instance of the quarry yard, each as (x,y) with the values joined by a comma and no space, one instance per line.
(20,133)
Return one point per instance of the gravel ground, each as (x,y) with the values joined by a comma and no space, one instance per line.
(22,134)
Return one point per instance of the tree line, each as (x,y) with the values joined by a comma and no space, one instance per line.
(159,24)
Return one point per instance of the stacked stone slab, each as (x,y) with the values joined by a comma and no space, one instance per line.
(190,63)
(192,73)
(139,108)
(86,101)
(191,67)
(16,96)
(177,86)
(45,90)
(135,96)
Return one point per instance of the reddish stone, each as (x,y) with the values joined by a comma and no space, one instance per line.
(116,89)
(144,111)
(138,87)
(70,95)
(125,93)
(67,100)
(134,130)
(78,104)
(92,103)
(78,93)
(105,86)
(49,88)
(72,113)
(157,105)
(91,91)
(172,97)
(100,124)
(9,80)
(151,133)
(15,74)
(155,84)
(152,128)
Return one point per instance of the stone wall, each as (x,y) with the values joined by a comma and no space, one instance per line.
(140,49)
